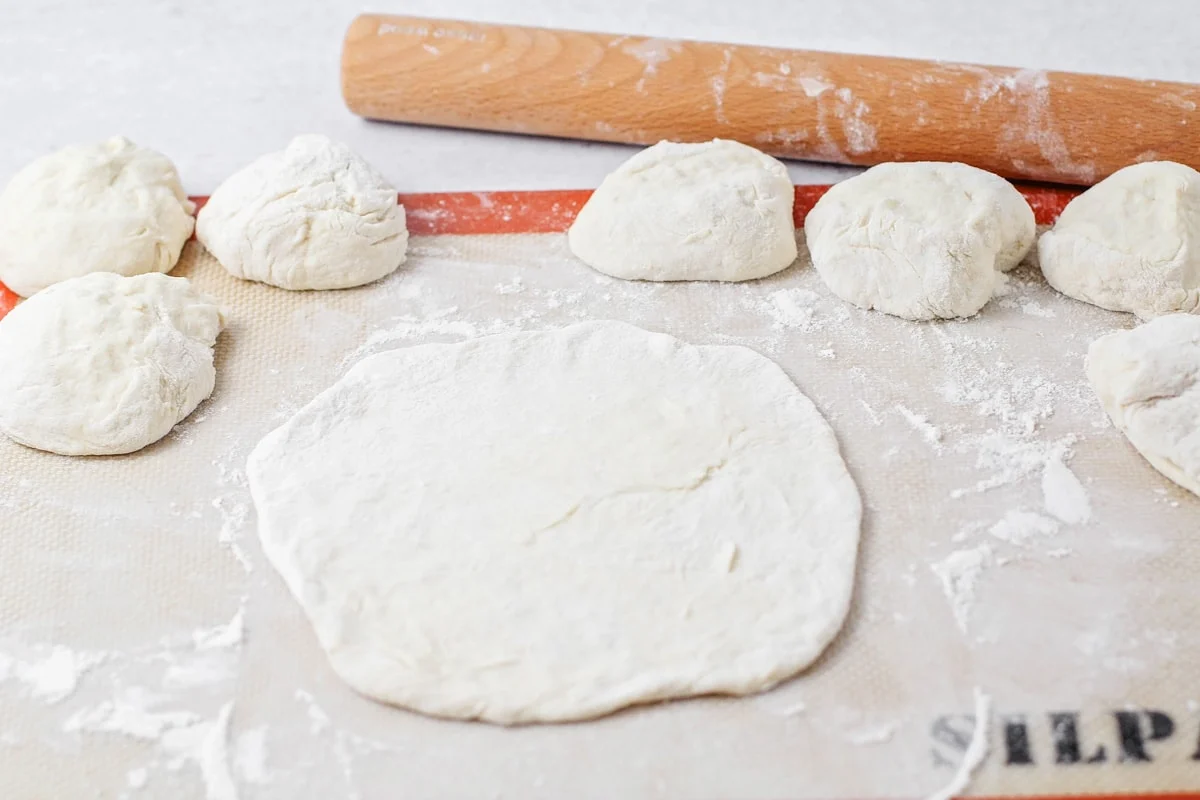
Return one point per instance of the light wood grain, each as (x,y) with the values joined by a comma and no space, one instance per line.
(851,109)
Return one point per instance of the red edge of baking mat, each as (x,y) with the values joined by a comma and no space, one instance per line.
(464,213)
(553,211)
(1124,796)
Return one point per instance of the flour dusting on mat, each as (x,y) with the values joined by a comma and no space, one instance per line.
(51,673)
(161,693)
(801,308)
(873,734)
(920,423)
(1032,510)
(1064,496)
(1020,527)
(977,750)
(959,574)
(214,758)
(250,756)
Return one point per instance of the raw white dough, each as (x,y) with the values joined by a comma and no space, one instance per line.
(550,526)
(921,240)
(1131,242)
(312,216)
(1148,380)
(715,211)
(105,364)
(107,207)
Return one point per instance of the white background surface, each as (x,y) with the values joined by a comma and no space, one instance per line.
(215,83)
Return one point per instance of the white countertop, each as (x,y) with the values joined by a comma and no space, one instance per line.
(214,84)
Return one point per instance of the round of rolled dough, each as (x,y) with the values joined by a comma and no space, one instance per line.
(921,240)
(1148,380)
(550,526)
(105,364)
(1131,242)
(105,207)
(710,211)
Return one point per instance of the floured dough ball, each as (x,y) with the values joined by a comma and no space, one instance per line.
(1131,242)
(312,216)
(549,526)
(922,240)
(107,207)
(105,364)
(716,211)
(1148,380)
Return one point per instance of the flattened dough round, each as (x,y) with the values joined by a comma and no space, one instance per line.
(315,215)
(105,364)
(1148,380)
(1131,242)
(107,207)
(921,240)
(714,211)
(550,526)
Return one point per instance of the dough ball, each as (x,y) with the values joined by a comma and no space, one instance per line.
(1148,380)
(313,216)
(716,211)
(105,364)
(541,527)
(107,207)
(922,240)
(1131,242)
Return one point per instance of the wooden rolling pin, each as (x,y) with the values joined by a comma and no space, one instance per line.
(847,109)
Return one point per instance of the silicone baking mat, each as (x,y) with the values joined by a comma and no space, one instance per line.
(1015,550)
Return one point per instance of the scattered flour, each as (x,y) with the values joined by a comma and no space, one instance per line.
(1020,527)
(214,758)
(781,702)
(799,309)
(250,756)
(1063,494)
(977,750)
(1036,309)
(959,573)
(1010,457)
(138,778)
(430,321)
(873,734)
(345,745)
(920,423)
(228,634)
(792,308)
(407,326)
(175,695)
(234,512)
(515,286)
(191,673)
(203,671)
(1028,306)
(794,709)
(233,506)
(50,673)
(1123,646)
(131,713)
(872,414)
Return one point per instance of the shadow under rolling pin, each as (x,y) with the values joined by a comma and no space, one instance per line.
(847,109)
